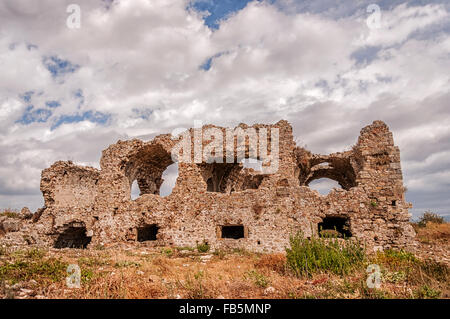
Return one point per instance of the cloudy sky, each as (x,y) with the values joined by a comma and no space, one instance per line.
(143,67)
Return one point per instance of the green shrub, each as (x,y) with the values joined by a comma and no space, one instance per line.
(203,247)
(259,279)
(167,251)
(308,256)
(394,276)
(35,253)
(86,275)
(426,292)
(329,233)
(194,286)
(23,270)
(430,217)
(399,256)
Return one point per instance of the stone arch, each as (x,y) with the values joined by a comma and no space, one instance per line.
(146,166)
(335,168)
(230,177)
(219,177)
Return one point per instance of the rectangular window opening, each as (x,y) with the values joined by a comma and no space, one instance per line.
(332,226)
(147,232)
(232,231)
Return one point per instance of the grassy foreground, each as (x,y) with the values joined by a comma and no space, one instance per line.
(321,268)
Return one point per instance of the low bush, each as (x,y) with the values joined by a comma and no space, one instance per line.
(23,270)
(428,217)
(396,258)
(309,256)
(195,288)
(10,213)
(203,247)
(259,279)
(426,292)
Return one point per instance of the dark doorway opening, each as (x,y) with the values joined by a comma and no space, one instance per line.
(147,232)
(210,185)
(335,227)
(73,237)
(234,232)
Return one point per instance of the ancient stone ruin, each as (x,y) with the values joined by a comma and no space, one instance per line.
(224,204)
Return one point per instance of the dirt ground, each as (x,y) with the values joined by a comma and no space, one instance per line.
(127,271)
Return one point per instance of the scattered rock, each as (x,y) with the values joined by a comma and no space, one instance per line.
(11,225)
(269,290)
(17,286)
(26,213)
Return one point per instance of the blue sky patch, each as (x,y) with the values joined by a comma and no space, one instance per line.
(218,9)
(143,113)
(207,64)
(52,104)
(365,55)
(79,95)
(340,9)
(31,116)
(58,66)
(91,116)
(26,97)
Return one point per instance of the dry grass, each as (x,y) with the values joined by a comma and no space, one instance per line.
(433,232)
(169,273)
(274,262)
(11,213)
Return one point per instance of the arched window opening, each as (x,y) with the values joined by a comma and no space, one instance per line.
(169,178)
(135,191)
(220,177)
(145,169)
(324,185)
(335,168)
(230,177)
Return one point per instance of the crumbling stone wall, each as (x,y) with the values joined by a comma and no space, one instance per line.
(85,207)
